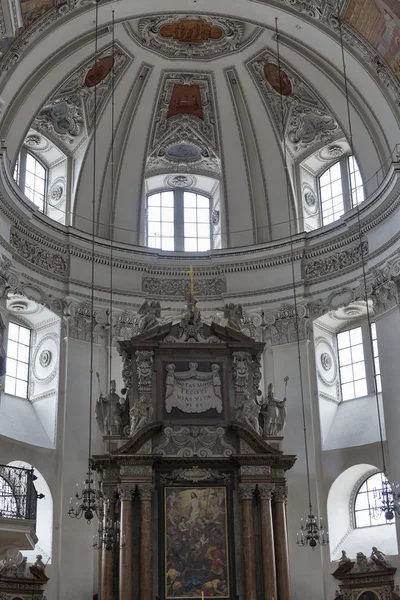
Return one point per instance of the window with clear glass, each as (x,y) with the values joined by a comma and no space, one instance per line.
(17,364)
(368,500)
(196,218)
(352,364)
(376,358)
(179,220)
(35,181)
(160,221)
(356,184)
(331,194)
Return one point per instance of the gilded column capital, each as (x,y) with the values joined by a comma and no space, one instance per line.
(126,490)
(246,490)
(266,491)
(280,493)
(145,490)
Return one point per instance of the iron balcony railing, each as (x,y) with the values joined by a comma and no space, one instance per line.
(18,496)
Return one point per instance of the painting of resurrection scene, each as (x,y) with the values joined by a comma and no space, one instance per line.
(196,543)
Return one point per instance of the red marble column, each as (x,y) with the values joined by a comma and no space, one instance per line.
(126,548)
(245,493)
(146,543)
(267,542)
(107,570)
(281,543)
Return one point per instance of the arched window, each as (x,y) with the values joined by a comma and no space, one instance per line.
(31,176)
(178,220)
(367,502)
(340,189)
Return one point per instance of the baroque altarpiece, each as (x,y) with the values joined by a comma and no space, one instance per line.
(194,479)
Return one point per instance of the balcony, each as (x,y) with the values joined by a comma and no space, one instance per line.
(18,500)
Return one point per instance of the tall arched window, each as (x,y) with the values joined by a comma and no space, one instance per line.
(178,220)
(367,502)
(340,189)
(31,176)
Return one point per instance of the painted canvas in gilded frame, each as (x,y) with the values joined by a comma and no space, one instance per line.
(196,542)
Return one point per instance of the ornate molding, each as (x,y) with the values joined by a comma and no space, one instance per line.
(156,286)
(36,255)
(145,491)
(194,441)
(340,261)
(126,491)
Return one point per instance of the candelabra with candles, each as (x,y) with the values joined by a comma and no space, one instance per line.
(109,532)
(312,533)
(386,502)
(88,502)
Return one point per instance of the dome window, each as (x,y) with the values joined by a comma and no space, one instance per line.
(31,176)
(340,189)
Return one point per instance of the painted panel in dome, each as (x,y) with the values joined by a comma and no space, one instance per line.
(32,10)
(194,31)
(185,100)
(379,22)
(277,79)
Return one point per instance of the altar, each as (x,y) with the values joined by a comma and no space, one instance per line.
(197,486)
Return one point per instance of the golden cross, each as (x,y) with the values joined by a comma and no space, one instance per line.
(191,273)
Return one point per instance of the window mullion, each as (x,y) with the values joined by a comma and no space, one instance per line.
(179,221)
(369,367)
(344,169)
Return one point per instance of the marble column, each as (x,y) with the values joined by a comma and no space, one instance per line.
(245,493)
(126,548)
(281,542)
(146,550)
(267,542)
(99,574)
(107,567)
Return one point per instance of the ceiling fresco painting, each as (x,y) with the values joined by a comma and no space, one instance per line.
(32,10)
(379,22)
(185,100)
(194,31)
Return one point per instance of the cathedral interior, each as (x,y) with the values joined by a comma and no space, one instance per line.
(199,299)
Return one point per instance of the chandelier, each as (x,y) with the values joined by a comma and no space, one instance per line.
(386,501)
(109,532)
(88,502)
(312,533)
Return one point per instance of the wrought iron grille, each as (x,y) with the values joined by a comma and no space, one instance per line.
(18,496)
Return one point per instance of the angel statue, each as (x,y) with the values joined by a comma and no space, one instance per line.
(234,314)
(273,413)
(192,315)
(379,559)
(140,413)
(247,411)
(111,412)
(149,313)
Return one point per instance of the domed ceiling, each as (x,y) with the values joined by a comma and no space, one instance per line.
(200,96)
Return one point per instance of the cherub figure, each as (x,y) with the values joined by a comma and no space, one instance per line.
(149,313)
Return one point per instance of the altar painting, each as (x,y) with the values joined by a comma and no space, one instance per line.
(196,543)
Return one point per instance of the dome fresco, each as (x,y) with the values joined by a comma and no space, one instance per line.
(201,93)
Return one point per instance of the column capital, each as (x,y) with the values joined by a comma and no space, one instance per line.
(126,490)
(246,490)
(145,490)
(280,493)
(266,491)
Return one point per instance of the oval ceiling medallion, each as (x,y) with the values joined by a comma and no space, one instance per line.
(183,152)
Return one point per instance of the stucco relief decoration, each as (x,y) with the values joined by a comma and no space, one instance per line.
(180,181)
(67,117)
(381,288)
(45,359)
(241,362)
(181,287)
(307,121)
(193,37)
(37,142)
(37,255)
(56,195)
(330,152)
(144,365)
(336,262)
(284,327)
(215,216)
(193,391)
(327,368)
(194,441)
(185,132)
(310,200)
